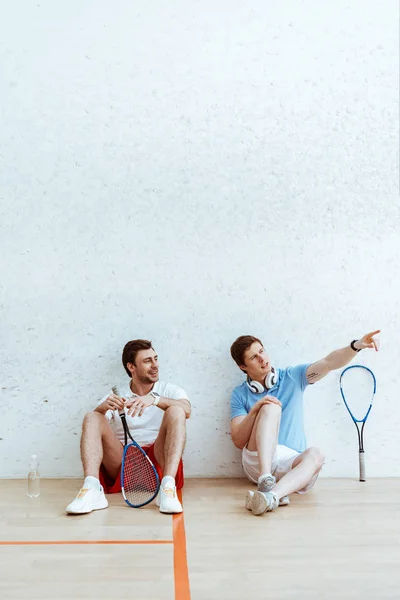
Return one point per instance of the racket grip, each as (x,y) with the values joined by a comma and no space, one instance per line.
(362,465)
(116,391)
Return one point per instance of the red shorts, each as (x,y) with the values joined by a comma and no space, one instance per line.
(113,486)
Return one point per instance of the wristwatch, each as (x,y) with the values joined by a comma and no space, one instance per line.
(353,346)
(156,398)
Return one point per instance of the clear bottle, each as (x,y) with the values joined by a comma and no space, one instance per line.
(34,478)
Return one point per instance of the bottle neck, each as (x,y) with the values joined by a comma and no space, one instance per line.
(34,464)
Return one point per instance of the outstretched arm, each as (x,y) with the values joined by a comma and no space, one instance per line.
(340,358)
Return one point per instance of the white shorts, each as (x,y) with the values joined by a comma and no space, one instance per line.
(281,464)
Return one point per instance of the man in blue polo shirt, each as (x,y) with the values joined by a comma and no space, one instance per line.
(267,420)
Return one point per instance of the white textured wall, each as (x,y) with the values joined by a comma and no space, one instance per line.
(189,172)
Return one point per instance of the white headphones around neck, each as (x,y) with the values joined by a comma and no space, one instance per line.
(258,388)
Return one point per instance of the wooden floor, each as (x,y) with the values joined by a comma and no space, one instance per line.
(339,542)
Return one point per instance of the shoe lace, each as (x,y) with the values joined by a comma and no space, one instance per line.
(266,484)
(82,492)
(170,492)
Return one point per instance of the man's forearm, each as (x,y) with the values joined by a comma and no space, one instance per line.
(340,358)
(165,403)
(241,433)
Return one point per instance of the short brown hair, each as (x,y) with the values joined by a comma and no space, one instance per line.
(240,346)
(131,350)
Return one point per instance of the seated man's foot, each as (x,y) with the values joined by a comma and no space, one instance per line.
(249,496)
(167,498)
(89,498)
(266,482)
(262,502)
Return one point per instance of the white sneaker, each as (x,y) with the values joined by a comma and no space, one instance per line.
(262,502)
(88,499)
(266,483)
(249,496)
(167,500)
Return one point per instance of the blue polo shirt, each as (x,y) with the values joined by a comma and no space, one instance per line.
(289,390)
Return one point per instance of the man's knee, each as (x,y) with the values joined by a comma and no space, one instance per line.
(317,457)
(93,419)
(175,413)
(270,409)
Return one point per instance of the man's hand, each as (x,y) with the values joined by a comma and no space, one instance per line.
(368,341)
(113,402)
(138,404)
(340,358)
(266,400)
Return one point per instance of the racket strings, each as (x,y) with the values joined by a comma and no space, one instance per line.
(358,391)
(140,481)
(358,387)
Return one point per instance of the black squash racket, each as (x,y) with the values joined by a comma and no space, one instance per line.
(140,482)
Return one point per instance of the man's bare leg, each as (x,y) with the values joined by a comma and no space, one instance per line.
(170,442)
(304,468)
(264,436)
(99,445)
(168,450)
(263,440)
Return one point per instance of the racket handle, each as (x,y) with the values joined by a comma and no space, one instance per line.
(117,393)
(362,465)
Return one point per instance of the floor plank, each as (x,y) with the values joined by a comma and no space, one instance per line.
(340,541)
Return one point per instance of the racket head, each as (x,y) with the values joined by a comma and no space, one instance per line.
(358,388)
(140,482)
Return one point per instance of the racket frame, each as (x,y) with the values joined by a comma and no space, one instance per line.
(134,443)
(360,433)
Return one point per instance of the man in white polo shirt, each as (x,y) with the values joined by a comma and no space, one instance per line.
(156,414)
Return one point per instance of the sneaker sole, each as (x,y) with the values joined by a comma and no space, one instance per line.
(259,504)
(171,512)
(249,498)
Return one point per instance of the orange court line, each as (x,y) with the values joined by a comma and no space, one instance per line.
(181,574)
(80,542)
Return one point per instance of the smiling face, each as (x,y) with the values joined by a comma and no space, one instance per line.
(256,362)
(145,367)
